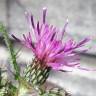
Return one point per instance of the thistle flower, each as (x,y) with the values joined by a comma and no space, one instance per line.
(49,47)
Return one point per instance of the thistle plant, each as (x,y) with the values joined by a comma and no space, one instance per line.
(50,51)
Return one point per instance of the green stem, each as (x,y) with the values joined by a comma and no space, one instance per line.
(11,51)
(24,87)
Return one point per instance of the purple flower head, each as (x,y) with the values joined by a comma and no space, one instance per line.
(54,52)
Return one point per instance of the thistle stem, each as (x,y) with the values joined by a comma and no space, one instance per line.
(11,51)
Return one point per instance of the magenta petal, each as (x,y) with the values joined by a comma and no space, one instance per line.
(80,44)
(44,14)
(17,39)
(64,29)
(38,28)
(54,66)
(32,21)
(48,46)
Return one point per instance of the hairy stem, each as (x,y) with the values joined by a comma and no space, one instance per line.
(11,51)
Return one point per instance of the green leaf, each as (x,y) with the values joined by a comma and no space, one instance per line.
(0,77)
(11,89)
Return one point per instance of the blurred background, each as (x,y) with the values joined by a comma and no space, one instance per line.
(82,23)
